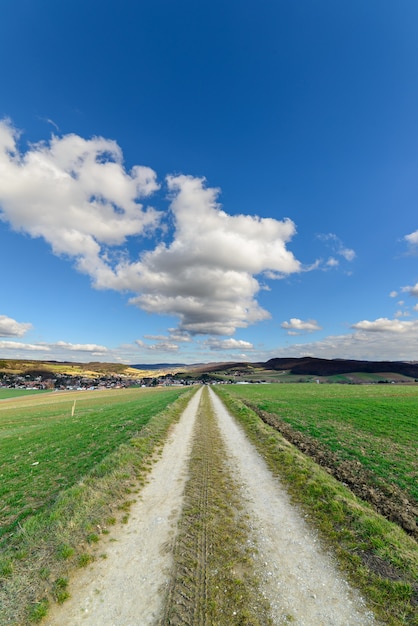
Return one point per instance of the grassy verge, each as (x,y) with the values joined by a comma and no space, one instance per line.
(379,558)
(37,560)
(213,579)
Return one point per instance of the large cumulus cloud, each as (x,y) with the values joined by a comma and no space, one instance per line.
(206,276)
(77,195)
(73,192)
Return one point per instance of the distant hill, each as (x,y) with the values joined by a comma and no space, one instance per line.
(49,369)
(330,367)
(283,369)
(292,369)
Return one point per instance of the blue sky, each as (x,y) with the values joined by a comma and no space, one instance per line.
(192,181)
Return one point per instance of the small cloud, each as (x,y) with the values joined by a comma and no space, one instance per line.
(179,336)
(337,247)
(412,238)
(332,262)
(272,276)
(81,347)
(229,344)
(162,344)
(11,328)
(412,290)
(383,324)
(15,345)
(393,294)
(296,326)
(347,253)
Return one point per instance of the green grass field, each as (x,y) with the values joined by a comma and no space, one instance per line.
(15,393)
(376,425)
(45,450)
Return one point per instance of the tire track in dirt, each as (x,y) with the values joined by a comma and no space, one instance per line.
(187,592)
(212,579)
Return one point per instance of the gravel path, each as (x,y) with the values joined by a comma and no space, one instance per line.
(301,582)
(127,588)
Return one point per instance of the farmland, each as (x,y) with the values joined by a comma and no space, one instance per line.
(73,464)
(14,393)
(45,449)
(370,432)
(70,464)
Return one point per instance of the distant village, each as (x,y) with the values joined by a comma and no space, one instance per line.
(64,382)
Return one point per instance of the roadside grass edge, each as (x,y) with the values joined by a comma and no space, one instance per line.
(35,568)
(378,557)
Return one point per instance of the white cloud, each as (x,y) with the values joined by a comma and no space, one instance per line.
(11,328)
(205,276)
(76,194)
(64,351)
(412,238)
(412,290)
(81,347)
(383,324)
(393,294)
(298,325)
(338,248)
(162,345)
(378,340)
(347,253)
(15,345)
(179,336)
(228,344)
(73,192)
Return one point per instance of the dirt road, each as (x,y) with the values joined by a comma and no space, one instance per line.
(299,581)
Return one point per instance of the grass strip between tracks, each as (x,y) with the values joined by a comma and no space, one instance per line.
(380,559)
(35,567)
(213,581)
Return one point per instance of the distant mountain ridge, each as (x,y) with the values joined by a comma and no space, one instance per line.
(329,367)
(298,366)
